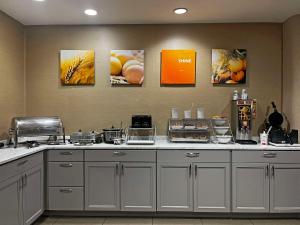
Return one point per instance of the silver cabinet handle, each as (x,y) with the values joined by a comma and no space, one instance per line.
(22,163)
(190,170)
(19,184)
(118,153)
(192,154)
(196,170)
(25,180)
(22,182)
(66,165)
(117,168)
(66,153)
(69,190)
(122,169)
(273,171)
(270,155)
(267,171)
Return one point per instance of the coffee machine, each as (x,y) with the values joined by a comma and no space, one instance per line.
(243,112)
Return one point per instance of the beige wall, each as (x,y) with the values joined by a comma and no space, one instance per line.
(11,71)
(291,72)
(101,105)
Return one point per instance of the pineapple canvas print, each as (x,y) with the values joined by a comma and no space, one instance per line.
(77,67)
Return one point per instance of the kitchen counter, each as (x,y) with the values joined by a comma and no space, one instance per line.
(11,154)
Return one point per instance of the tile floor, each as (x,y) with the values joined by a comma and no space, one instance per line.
(159,221)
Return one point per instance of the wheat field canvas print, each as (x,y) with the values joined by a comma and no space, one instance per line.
(77,67)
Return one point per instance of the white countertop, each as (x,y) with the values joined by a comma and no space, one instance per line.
(10,154)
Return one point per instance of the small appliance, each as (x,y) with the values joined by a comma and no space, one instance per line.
(277,134)
(141,121)
(243,112)
(112,135)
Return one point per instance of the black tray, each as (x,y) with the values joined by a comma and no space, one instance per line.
(246,142)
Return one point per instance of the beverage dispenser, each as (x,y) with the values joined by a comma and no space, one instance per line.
(243,112)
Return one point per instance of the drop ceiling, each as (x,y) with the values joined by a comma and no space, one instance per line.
(70,12)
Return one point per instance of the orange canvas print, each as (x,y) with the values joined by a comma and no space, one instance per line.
(178,67)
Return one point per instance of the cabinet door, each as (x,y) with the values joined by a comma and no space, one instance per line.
(138,187)
(284,187)
(250,187)
(102,191)
(174,187)
(10,201)
(211,187)
(33,194)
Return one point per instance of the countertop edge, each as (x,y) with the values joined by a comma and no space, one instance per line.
(11,154)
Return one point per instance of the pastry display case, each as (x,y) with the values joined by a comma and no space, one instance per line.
(189,130)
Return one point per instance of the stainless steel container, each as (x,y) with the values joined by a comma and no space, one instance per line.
(85,138)
(36,126)
(112,134)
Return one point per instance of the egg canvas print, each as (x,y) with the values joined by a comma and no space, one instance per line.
(127,67)
(77,67)
(229,66)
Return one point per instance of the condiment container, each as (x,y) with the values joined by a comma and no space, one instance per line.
(264,138)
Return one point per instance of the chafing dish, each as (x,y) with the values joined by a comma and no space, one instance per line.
(36,127)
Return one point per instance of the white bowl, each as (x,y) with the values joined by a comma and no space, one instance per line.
(220,122)
(225,139)
(221,130)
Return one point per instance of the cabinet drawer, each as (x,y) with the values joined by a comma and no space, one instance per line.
(65,173)
(193,156)
(120,155)
(266,156)
(65,155)
(65,198)
(18,166)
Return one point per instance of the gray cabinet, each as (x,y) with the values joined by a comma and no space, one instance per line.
(138,187)
(250,187)
(120,180)
(10,203)
(33,194)
(65,174)
(106,182)
(271,184)
(197,181)
(284,188)
(102,186)
(21,195)
(66,198)
(175,187)
(211,187)
(65,180)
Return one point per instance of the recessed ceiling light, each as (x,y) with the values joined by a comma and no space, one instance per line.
(180,11)
(38,0)
(90,12)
